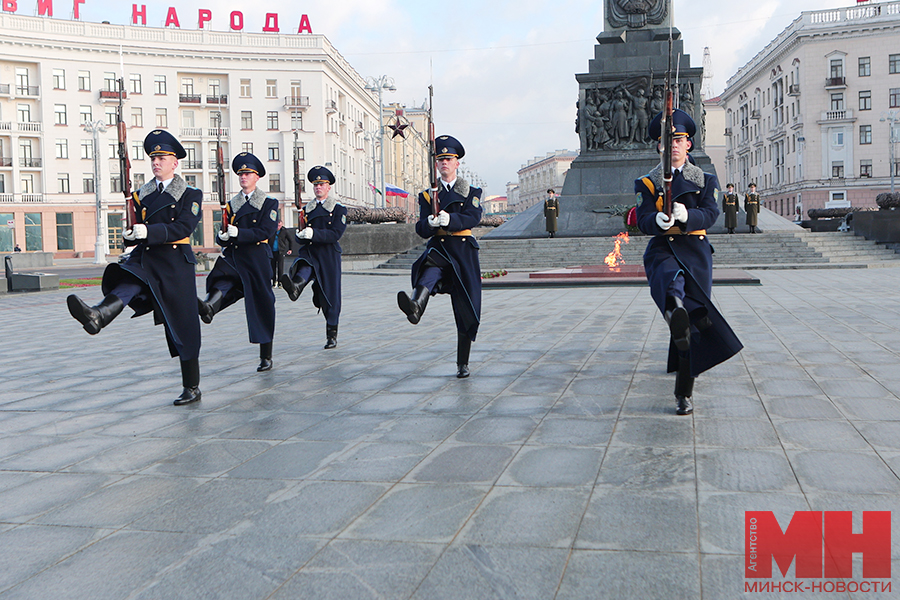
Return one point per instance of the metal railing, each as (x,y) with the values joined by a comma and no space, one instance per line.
(30,162)
(189,98)
(296,102)
(221,99)
(28,90)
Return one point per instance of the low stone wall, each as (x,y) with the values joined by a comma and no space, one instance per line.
(30,260)
(881,225)
(384,239)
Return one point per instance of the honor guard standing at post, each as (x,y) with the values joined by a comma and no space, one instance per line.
(551,212)
(678,262)
(245,268)
(751,206)
(319,255)
(449,264)
(159,275)
(730,205)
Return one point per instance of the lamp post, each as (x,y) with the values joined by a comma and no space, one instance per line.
(892,117)
(380,84)
(96,128)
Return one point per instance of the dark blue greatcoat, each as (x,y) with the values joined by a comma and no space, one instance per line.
(456,255)
(328,220)
(165,263)
(669,254)
(246,263)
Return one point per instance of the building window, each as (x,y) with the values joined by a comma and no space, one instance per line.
(246,119)
(138,181)
(274,182)
(113,151)
(27,183)
(159,85)
(62,148)
(271,88)
(87,183)
(137,117)
(214,88)
(162,119)
(865,168)
(136,87)
(895,98)
(65,240)
(59,112)
(838,138)
(59,79)
(87,149)
(245,88)
(837,169)
(110,82)
(272,120)
(24,112)
(274,153)
(865,66)
(62,181)
(894,63)
(84,81)
(187,86)
(187,119)
(865,100)
(115,184)
(247,147)
(837,68)
(34,237)
(137,151)
(837,101)
(296,120)
(86,115)
(111,116)
(865,134)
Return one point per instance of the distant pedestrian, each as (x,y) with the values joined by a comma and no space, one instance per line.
(551,212)
(17,249)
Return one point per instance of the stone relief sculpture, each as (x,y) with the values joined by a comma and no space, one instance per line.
(635,14)
(616,117)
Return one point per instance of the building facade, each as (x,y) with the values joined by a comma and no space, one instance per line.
(810,118)
(277,96)
(539,175)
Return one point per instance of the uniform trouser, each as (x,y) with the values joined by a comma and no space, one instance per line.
(304,272)
(127,290)
(430,277)
(676,290)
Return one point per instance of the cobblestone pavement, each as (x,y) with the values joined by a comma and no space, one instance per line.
(558,470)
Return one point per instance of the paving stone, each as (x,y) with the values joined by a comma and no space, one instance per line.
(820,435)
(648,468)
(455,463)
(381,461)
(289,460)
(849,472)
(722,524)
(23,502)
(496,430)
(736,433)
(553,466)
(744,470)
(653,575)
(573,431)
(210,458)
(636,431)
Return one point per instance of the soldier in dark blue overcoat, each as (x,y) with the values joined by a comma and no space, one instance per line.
(159,275)
(678,262)
(245,268)
(319,255)
(449,264)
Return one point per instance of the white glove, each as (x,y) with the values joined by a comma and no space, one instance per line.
(223,235)
(679,212)
(128,234)
(305,234)
(664,222)
(140,231)
(232,231)
(444,218)
(434,222)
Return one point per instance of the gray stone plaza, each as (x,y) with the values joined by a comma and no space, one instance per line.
(558,470)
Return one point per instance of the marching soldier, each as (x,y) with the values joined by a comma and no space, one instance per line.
(158,276)
(245,268)
(319,256)
(730,208)
(551,211)
(751,206)
(449,264)
(678,262)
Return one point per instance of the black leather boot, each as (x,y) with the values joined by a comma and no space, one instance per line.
(292,288)
(414,307)
(190,379)
(463,346)
(209,307)
(330,336)
(679,323)
(684,386)
(95,318)
(265,357)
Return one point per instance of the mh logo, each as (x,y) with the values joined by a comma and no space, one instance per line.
(822,542)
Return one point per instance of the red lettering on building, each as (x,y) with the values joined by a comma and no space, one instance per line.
(204,15)
(271,23)
(10,5)
(172,17)
(76,8)
(305,27)
(237,20)
(135,13)
(45,7)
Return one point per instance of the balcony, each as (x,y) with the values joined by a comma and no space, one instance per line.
(30,163)
(112,95)
(191,164)
(192,132)
(4,89)
(754,114)
(834,83)
(296,102)
(837,115)
(32,198)
(189,98)
(6,161)
(220,132)
(331,108)
(226,163)
(222,99)
(28,90)
(728,131)
(29,127)
(794,89)
(7,198)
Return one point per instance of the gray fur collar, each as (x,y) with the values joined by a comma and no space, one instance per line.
(690,172)
(176,188)
(328,205)
(257,198)
(461,187)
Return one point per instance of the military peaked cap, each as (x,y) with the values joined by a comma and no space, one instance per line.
(247,163)
(159,143)
(448,146)
(682,123)
(320,174)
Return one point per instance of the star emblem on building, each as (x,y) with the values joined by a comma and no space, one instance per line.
(397,127)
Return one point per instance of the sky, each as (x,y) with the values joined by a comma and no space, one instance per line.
(503,70)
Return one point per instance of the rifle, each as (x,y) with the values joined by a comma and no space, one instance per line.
(666,136)
(124,161)
(220,175)
(432,158)
(301,214)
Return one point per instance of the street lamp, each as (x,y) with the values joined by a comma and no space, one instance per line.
(380,84)
(96,128)
(372,136)
(892,117)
